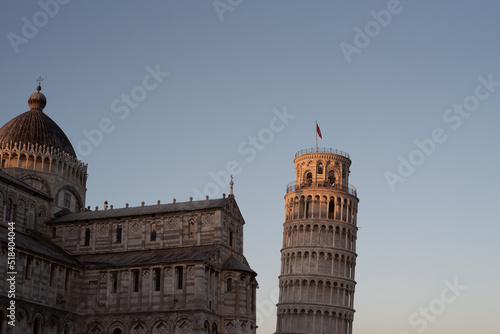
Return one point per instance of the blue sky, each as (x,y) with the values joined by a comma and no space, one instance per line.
(231,73)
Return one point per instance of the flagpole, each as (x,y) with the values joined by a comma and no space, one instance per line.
(316,130)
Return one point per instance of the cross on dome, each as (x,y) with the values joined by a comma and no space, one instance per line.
(39,80)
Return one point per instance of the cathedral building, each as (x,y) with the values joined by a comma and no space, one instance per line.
(318,256)
(164,268)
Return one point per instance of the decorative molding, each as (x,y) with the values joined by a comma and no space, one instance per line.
(183,326)
(229,325)
(207,219)
(43,153)
(173,222)
(103,229)
(136,226)
(160,328)
(243,326)
(139,328)
(190,270)
(145,273)
(71,232)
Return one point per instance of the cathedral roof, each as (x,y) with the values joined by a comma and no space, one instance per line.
(233,263)
(8,179)
(149,257)
(36,243)
(36,128)
(145,210)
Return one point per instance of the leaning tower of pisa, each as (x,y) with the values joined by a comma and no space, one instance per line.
(319,246)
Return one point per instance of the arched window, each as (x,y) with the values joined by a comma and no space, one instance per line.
(67,280)
(53,274)
(331,178)
(87,237)
(117,331)
(31,218)
(331,210)
(8,210)
(153,232)
(229,284)
(1,322)
(29,264)
(191,228)
(309,178)
(37,326)
(206,327)
(180,277)
(67,200)
(320,168)
(231,237)
(135,275)
(114,281)
(119,235)
(41,215)
(157,279)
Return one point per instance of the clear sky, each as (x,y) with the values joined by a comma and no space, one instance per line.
(377,85)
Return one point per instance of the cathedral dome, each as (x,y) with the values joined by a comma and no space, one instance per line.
(35,127)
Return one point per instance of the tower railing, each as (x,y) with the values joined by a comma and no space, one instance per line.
(322,184)
(322,150)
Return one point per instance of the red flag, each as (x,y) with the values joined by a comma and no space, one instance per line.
(318,130)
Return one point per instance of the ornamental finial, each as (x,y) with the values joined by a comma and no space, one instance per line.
(231,184)
(39,80)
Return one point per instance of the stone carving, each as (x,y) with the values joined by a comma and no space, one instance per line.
(136,226)
(183,327)
(243,326)
(160,328)
(173,222)
(229,325)
(95,330)
(190,270)
(71,232)
(140,328)
(103,229)
(207,219)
